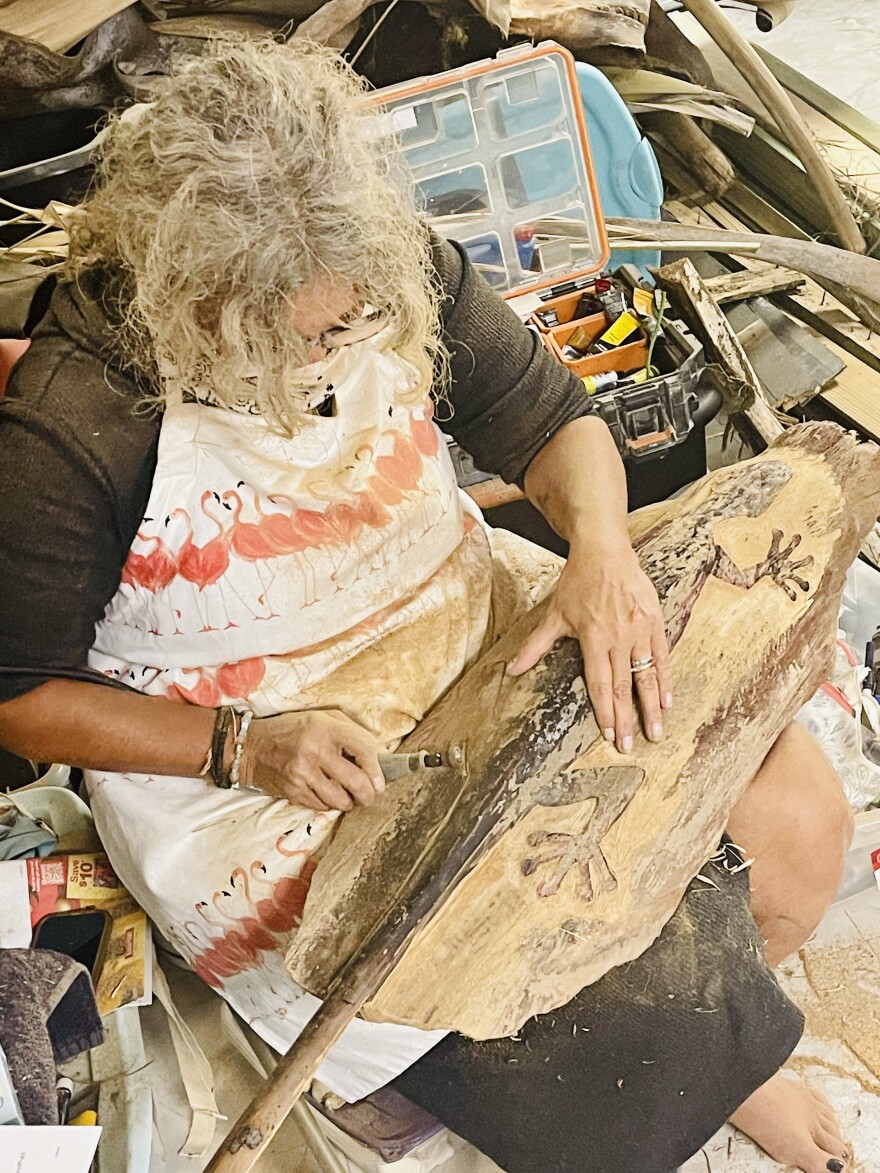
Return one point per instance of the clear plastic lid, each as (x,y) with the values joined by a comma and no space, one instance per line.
(498,149)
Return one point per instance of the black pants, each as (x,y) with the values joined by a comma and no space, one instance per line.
(639,1070)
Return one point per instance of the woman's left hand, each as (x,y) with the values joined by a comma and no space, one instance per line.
(605,600)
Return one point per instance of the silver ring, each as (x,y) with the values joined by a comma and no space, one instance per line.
(642,665)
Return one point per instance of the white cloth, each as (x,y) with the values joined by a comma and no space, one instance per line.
(337,568)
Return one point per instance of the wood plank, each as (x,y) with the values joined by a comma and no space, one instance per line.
(759,214)
(812,305)
(855,394)
(552,857)
(57,25)
(730,287)
(745,400)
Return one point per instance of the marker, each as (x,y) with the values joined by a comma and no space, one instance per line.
(63,1094)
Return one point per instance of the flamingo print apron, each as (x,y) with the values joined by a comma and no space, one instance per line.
(340,568)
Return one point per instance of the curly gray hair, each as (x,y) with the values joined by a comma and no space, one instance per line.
(257,171)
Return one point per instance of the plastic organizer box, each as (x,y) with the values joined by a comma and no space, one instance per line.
(500,158)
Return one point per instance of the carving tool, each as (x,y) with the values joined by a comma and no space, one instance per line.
(397,765)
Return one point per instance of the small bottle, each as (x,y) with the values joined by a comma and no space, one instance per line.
(614,304)
(524,235)
(579,342)
(588,306)
(593,384)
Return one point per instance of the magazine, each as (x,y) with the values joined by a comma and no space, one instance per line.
(63,882)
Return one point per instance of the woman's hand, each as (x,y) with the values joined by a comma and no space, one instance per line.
(319,759)
(606,601)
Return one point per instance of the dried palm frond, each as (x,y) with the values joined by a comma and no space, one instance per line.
(646,90)
(46,243)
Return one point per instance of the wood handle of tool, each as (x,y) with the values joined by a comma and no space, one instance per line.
(358,980)
(270,1107)
(490,494)
(759,76)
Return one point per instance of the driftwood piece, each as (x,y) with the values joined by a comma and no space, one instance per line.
(761,281)
(759,76)
(582,25)
(752,416)
(694,151)
(555,858)
(107,67)
(821,261)
(667,48)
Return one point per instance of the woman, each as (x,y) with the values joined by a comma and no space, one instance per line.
(221,484)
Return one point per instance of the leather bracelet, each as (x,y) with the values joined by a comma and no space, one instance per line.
(218,747)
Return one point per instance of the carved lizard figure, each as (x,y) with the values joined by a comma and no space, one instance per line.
(679,581)
(613,788)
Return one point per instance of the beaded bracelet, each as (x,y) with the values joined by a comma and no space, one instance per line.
(240,738)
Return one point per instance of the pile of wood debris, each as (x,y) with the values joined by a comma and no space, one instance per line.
(774,184)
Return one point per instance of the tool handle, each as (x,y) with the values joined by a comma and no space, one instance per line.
(270,1107)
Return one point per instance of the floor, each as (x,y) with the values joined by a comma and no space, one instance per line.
(850,27)
(836,982)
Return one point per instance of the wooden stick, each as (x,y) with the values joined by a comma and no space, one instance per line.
(278,1096)
(741,54)
(757,422)
(822,262)
(358,982)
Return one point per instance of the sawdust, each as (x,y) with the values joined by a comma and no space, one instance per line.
(845,981)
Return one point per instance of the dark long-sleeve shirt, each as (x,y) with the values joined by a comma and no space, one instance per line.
(78,453)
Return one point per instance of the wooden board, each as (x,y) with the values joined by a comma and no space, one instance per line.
(552,858)
(760,281)
(58,24)
(855,394)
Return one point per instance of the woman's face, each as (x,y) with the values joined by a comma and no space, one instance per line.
(325,305)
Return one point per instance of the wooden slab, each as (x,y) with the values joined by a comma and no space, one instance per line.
(552,858)
(760,281)
(57,25)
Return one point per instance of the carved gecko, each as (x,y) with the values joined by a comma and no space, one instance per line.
(679,581)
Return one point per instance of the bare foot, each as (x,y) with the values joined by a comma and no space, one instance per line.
(794,1125)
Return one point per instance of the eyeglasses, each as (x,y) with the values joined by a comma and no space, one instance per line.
(364,326)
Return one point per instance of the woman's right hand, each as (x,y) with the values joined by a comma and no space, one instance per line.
(318,759)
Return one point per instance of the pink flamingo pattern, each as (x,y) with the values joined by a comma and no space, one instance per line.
(267,574)
(223,942)
(340,529)
(153,571)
